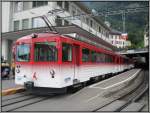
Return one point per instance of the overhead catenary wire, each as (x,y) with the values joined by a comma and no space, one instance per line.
(78,16)
(104,13)
(107,13)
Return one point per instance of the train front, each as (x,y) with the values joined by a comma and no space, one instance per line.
(37,63)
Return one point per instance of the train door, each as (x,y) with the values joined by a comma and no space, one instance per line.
(76,62)
(116,63)
(119,63)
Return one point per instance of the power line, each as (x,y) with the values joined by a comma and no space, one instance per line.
(107,13)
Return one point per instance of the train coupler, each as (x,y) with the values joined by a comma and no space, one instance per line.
(29,85)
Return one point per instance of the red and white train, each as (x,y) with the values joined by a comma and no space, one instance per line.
(52,62)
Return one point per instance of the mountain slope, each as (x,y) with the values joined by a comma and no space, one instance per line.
(135,22)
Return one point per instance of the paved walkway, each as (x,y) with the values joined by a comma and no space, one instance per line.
(8,84)
(117,80)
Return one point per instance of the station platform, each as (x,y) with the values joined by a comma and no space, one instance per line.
(117,80)
(8,84)
(9,87)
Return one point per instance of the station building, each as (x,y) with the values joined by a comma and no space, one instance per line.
(22,18)
(119,39)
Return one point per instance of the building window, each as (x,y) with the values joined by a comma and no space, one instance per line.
(67,6)
(66,22)
(38,22)
(25,23)
(38,4)
(91,23)
(26,5)
(60,3)
(16,25)
(18,6)
(78,13)
(85,55)
(117,42)
(58,21)
(116,37)
(102,31)
(66,52)
(99,28)
(73,10)
(107,34)
(83,18)
(87,21)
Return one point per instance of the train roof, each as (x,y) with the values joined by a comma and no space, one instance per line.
(37,35)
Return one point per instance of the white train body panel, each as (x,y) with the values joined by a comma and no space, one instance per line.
(64,74)
(42,72)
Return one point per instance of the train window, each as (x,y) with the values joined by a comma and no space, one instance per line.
(23,52)
(109,58)
(101,57)
(94,56)
(66,52)
(85,55)
(45,51)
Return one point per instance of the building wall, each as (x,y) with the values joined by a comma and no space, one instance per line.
(5,49)
(5,16)
(117,41)
(5,27)
(38,11)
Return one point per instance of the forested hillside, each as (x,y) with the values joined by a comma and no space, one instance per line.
(135,22)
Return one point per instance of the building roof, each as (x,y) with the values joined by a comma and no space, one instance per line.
(62,30)
(115,32)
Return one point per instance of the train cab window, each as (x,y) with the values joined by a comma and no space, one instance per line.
(23,53)
(85,55)
(93,56)
(66,52)
(45,51)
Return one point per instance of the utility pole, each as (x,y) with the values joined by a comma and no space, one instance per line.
(123,21)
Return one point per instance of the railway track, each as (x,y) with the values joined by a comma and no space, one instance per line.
(128,102)
(16,101)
